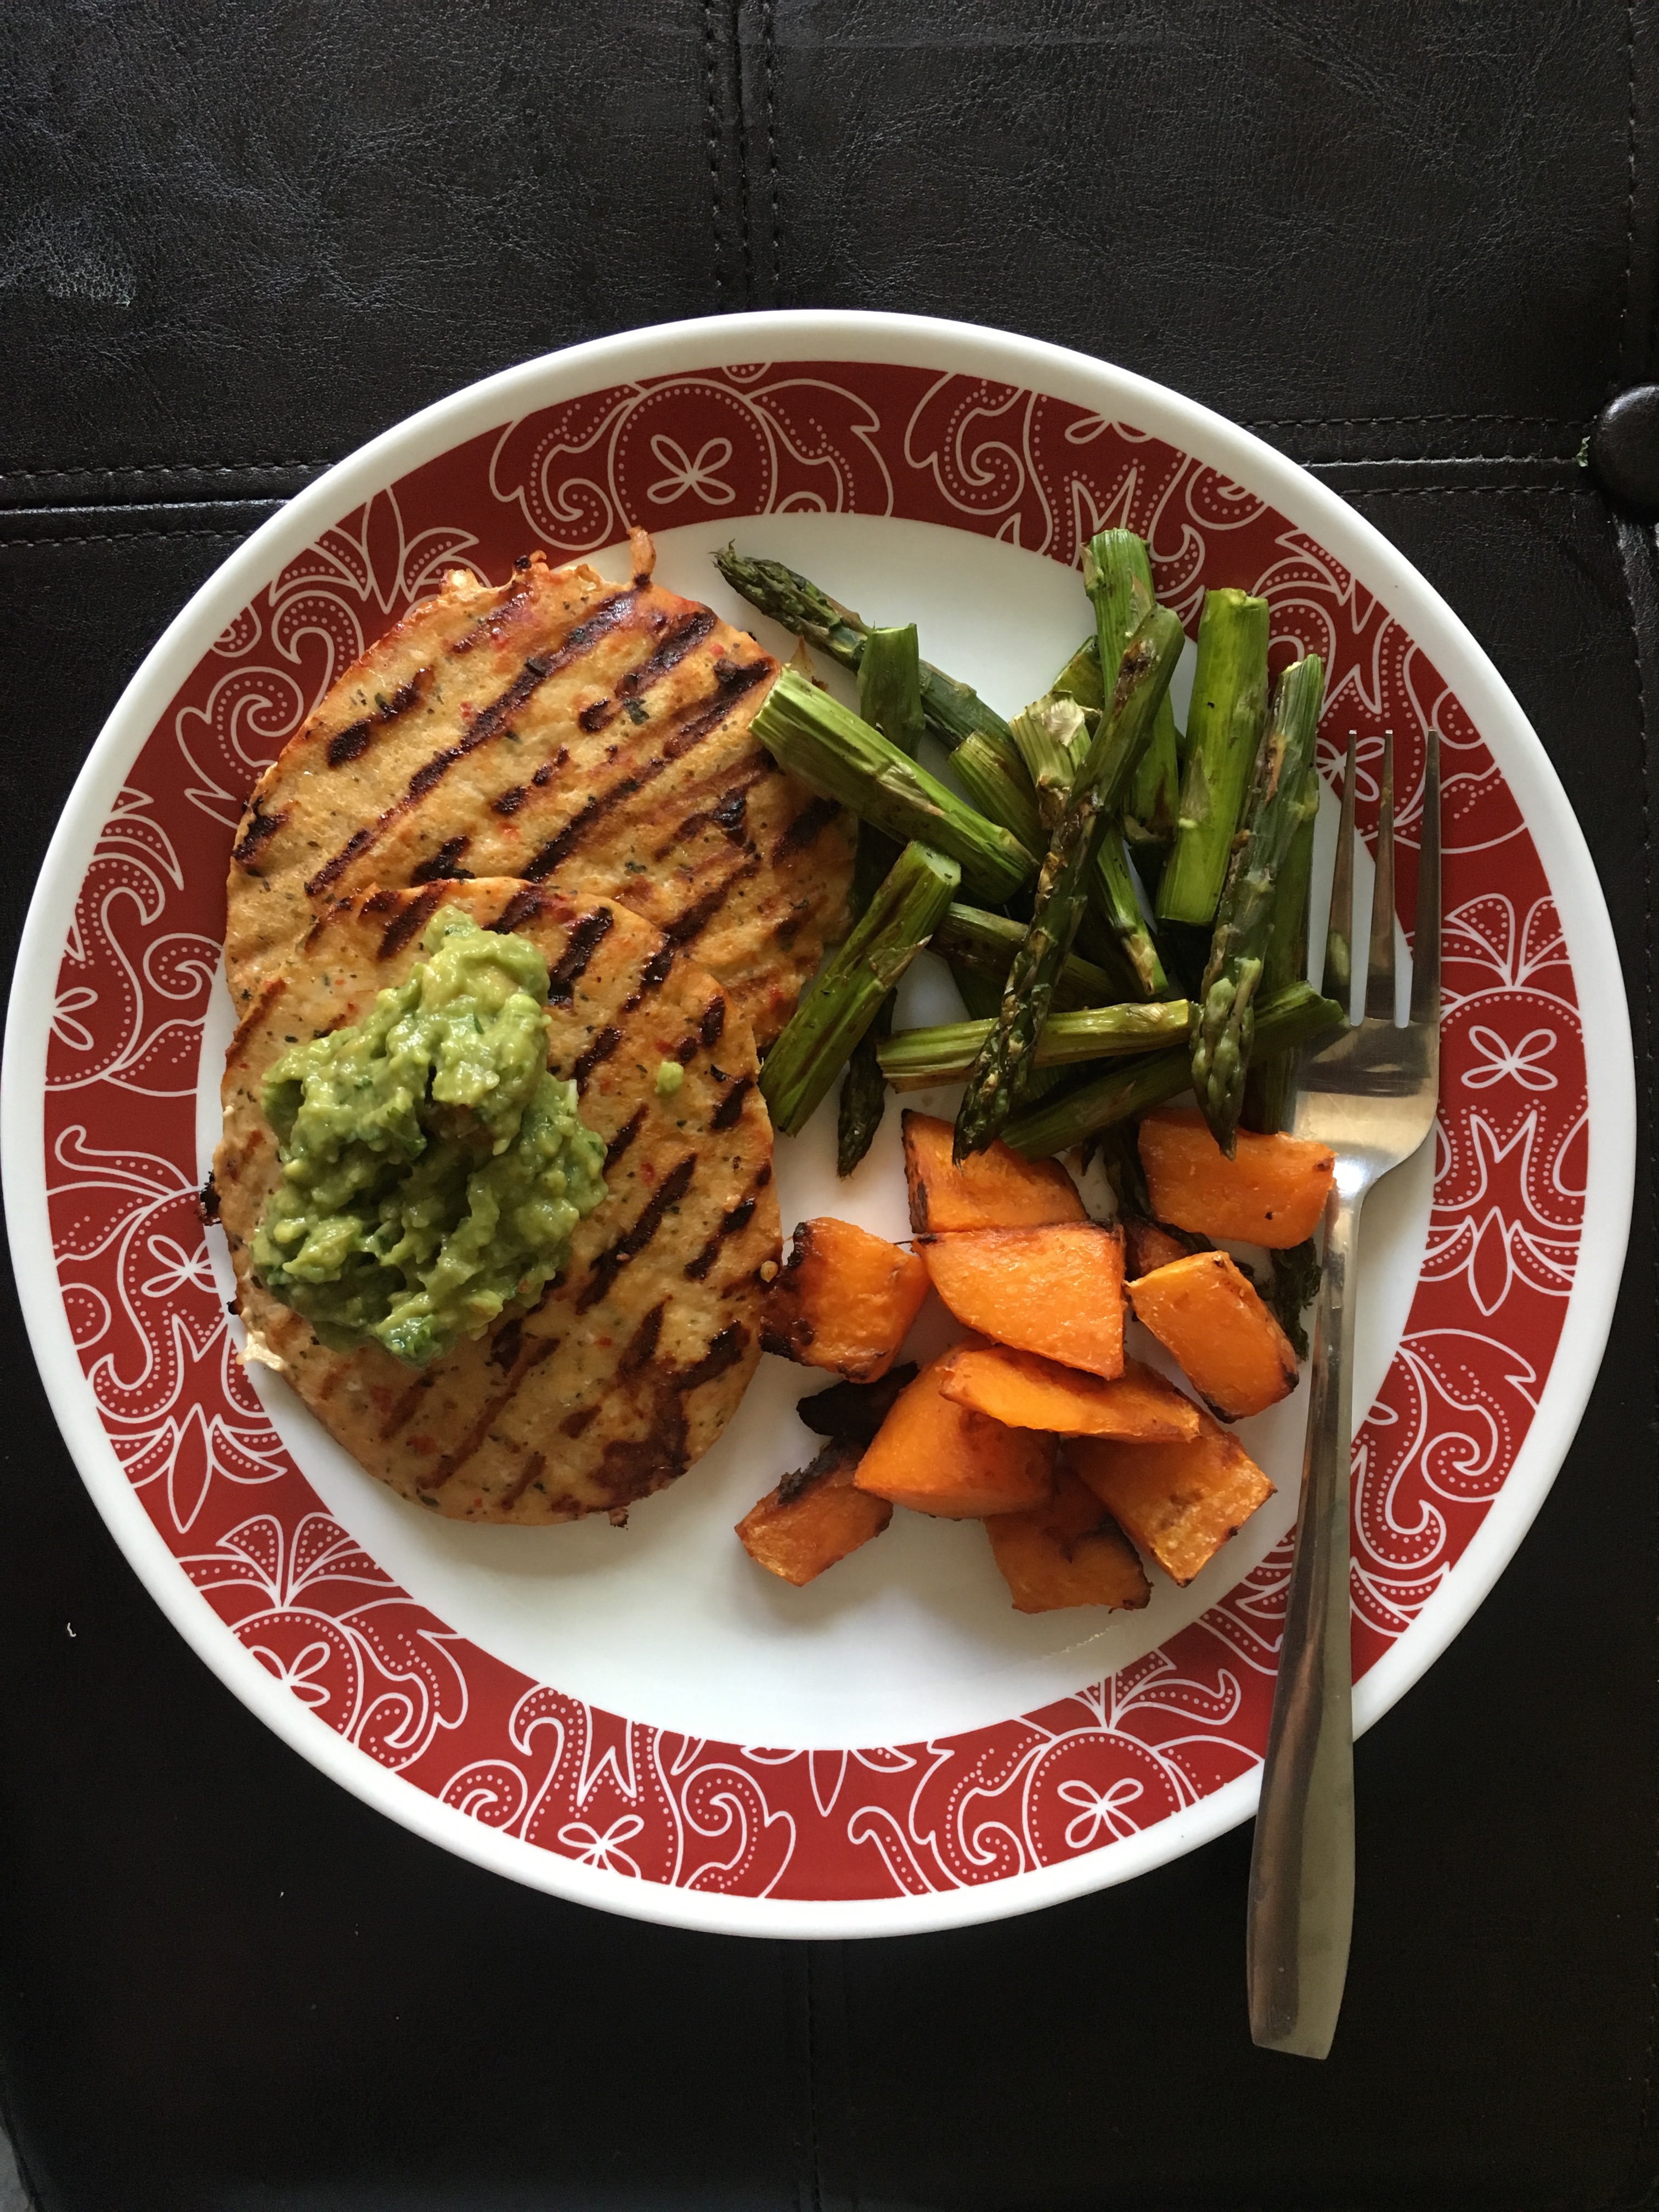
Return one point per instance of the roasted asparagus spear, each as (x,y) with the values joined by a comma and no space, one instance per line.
(953,712)
(889,700)
(1270,1086)
(828,746)
(1223,732)
(1273,813)
(1114,752)
(975,942)
(914,1060)
(1080,1111)
(842,1002)
(1117,575)
(1112,898)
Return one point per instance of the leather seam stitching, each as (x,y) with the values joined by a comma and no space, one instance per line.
(161,469)
(112,538)
(1480,490)
(1630,162)
(769,57)
(740,135)
(1435,461)
(711,137)
(1370,421)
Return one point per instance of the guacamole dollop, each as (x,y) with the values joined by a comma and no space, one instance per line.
(431,1170)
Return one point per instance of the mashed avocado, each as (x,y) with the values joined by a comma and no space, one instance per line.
(433,1170)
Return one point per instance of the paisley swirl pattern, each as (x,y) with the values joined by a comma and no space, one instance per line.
(328,1623)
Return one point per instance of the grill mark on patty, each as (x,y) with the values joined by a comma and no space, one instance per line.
(261,829)
(713,1024)
(727,814)
(806,827)
(687,927)
(701,719)
(534,1462)
(507,1343)
(625,1137)
(352,742)
(578,1423)
(490,625)
(633,1468)
(490,723)
(608,1265)
(595,1054)
(667,656)
(640,1348)
(524,906)
(403,1406)
(725,1351)
(540,1348)
(586,938)
(441,867)
(509,802)
(735,685)
(733,1224)
(653,976)
(729,1112)
(268,994)
(410,922)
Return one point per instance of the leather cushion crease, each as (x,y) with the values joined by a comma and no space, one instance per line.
(1415,247)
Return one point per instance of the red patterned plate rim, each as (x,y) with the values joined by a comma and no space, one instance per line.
(714,1815)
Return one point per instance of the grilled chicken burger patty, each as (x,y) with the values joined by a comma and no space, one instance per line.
(638,1353)
(553,726)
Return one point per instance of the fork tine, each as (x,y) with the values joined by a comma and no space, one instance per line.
(1379,971)
(1338,981)
(1425,944)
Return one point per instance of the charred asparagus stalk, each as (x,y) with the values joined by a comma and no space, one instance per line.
(889,686)
(1274,814)
(1223,732)
(1052,734)
(889,700)
(1295,1286)
(997,1077)
(1270,1086)
(1112,898)
(984,944)
(913,1059)
(863,1092)
(1117,575)
(1081,1111)
(953,712)
(843,1000)
(823,743)
(998,787)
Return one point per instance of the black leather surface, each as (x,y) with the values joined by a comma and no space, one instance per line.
(1410,243)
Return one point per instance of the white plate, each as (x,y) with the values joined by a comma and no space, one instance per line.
(899,1691)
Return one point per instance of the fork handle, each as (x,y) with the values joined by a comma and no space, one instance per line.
(1301,1900)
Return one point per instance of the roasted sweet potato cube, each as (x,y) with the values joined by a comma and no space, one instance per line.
(993,1189)
(1057,1291)
(1149,1244)
(1179,1502)
(1025,1392)
(1206,1314)
(844,1300)
(813,1518)
(1066,1553)
(1272,1192)
(939,1458)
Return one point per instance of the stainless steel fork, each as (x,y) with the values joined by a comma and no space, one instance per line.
(1371,1095)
